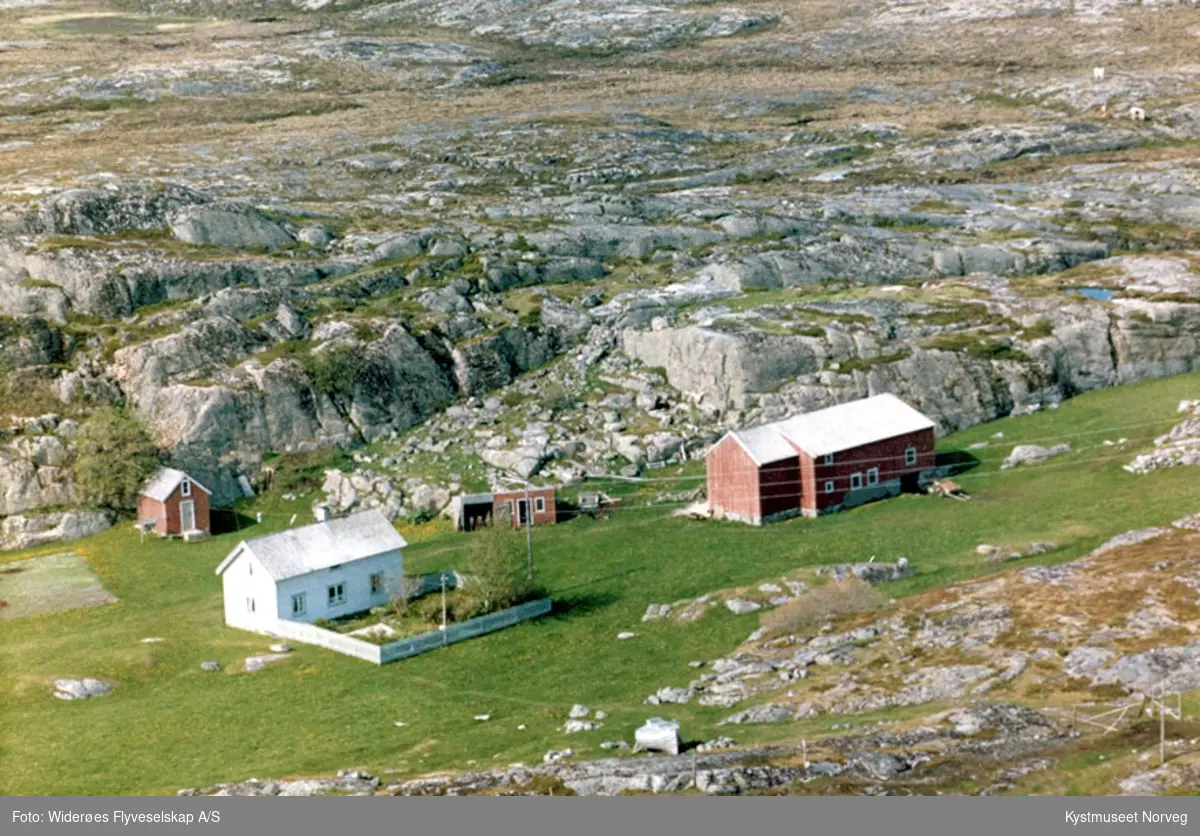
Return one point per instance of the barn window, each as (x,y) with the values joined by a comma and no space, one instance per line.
(873,476)
(337,594)
(540,504)
(829,486)
(249,605)
(829,458)
(377,583)
(185,487)
(855,481)
(910,456)
(299,603)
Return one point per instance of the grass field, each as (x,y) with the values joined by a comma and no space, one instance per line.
(169,725)
(51,583)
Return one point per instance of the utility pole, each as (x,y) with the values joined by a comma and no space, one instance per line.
(528,528)
(443,607)
(528,532)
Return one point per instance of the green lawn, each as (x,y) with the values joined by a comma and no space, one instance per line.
(169,725)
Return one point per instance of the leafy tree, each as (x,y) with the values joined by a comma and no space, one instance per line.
(114,457)
(497,569)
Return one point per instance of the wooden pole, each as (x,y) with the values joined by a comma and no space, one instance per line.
(1162,724)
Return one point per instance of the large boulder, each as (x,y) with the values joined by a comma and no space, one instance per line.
(110,210)
(24,531)
(723,366)
(33,475)
(229,225)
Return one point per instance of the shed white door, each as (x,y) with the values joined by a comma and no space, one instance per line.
(187,515)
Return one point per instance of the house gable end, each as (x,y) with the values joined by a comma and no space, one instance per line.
(237,552)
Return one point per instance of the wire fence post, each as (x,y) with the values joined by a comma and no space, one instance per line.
(1162,723)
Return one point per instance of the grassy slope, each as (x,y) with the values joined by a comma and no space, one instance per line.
(169,724)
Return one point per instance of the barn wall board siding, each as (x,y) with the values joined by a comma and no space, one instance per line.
(733,482)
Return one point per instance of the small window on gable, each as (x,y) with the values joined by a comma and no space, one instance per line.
(873,476)
(829,459)
(185,487)
(249,605)
(249,568)
(910,456)
(855,481)
(829,486)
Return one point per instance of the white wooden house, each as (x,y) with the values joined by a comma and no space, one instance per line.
(322,571)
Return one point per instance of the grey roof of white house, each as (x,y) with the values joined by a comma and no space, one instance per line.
(310,548)
(825,431)
(164,481)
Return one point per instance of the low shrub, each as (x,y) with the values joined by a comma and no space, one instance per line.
(811,610)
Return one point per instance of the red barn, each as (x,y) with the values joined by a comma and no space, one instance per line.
(173,503)
(820,462)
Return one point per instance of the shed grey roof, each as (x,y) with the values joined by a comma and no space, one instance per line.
(476,498)
(825,431)
(298,551)
(163,483)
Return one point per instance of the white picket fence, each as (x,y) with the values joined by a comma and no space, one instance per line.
(404,648)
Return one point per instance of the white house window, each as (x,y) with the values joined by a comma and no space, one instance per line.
(540,504)
(873,476)
(910,456)
(377,583)
(829,458)
(855,481)
(299,604)
(829,486)
(185,487)
(337,594)
(249,605)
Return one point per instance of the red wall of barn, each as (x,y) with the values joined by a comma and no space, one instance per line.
(544,517)
(887,455)
(733,480)
(166,513)
(779,487)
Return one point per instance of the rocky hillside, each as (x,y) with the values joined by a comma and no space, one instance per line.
(560,239)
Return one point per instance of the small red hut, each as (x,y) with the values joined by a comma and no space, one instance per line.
(173,503)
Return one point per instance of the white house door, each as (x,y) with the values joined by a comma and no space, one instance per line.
(187,515)
(522,511)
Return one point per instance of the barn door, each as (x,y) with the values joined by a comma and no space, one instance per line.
(187,515)
(522,512)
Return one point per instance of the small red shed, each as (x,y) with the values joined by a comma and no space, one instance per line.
(173,503)
(512,508)
(820,461)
